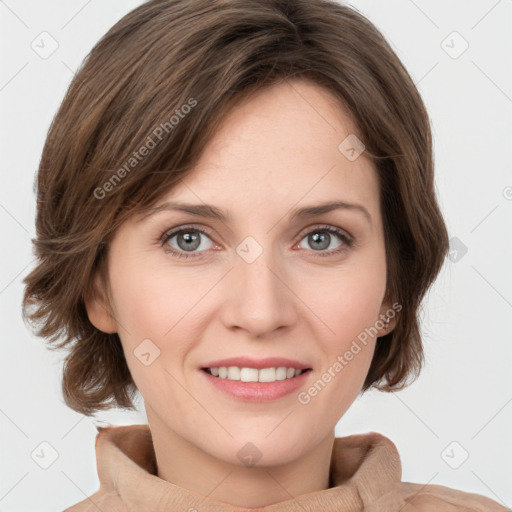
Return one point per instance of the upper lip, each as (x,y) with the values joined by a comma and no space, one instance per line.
(249,362)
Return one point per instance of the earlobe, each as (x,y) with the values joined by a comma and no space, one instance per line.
(387,320)
(97,308)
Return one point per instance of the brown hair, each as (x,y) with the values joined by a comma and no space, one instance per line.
(134,86)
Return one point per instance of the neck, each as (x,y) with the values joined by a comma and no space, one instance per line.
(188,466)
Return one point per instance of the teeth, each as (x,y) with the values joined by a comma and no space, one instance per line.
(253,374)
(234,373)
(248,374)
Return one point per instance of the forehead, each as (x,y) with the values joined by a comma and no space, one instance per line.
(276,152)
(285,142)
(282,118)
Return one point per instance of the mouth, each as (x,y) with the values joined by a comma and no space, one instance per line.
(249,374)
(256,380)
(248,384)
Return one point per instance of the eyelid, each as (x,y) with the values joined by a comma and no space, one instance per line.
(209,232)
(347,239)
(328,227)
(184,227)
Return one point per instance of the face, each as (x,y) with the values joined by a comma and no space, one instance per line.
(270,278)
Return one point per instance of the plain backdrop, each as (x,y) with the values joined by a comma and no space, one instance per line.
(452,426)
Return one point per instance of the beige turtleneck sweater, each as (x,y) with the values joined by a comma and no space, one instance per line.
(365,471)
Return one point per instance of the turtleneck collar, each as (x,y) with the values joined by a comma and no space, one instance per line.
(364,469)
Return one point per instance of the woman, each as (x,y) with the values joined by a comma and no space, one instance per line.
(237,218)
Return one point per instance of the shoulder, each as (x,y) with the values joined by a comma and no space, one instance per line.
(419,498)
(99,501)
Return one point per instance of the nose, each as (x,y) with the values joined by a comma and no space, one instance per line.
(259,297)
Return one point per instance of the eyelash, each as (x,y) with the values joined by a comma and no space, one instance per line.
(347,240)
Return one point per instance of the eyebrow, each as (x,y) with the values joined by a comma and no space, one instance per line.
(210,211)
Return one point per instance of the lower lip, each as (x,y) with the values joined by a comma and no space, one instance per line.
(258,391)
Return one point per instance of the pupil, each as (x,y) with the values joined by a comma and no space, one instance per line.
(191,241)
(317,240)
(321,239)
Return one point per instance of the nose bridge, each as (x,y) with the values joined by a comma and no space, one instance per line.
(259,301)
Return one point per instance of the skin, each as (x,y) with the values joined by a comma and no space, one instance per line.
(276,151)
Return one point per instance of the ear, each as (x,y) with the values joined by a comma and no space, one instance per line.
(388,318)
(97,307)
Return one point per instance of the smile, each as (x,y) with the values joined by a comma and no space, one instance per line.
(256,384)
(246,374)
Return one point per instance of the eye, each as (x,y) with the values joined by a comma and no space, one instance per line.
(187,240)
(190,241)
(321,238)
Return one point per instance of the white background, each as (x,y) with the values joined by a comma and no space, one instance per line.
(464,394)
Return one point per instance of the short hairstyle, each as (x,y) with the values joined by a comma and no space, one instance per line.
(178,66)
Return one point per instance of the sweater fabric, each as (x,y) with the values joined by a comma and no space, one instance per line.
(365,476)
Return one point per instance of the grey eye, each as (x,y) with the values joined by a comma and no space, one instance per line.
(189,240)
(319,240)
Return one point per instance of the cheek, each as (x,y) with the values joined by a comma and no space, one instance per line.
(348,300)
(349,305)
(163,305)
(350,313)
(152,305)
(150,300)
(143,304)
